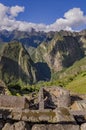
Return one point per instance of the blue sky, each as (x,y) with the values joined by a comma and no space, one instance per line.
(46,11)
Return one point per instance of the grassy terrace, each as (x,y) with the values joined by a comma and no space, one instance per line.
(78,85)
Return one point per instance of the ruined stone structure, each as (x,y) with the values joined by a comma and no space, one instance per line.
(79,105)
(52,109)
(59,96)
(13,102)
(41,99)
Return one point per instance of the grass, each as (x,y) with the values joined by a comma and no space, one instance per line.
(74,78)
(78,85)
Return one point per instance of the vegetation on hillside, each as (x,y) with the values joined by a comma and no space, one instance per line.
(73,79)
(59,60)
(16,64)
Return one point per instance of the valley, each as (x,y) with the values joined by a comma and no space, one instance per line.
(59,59)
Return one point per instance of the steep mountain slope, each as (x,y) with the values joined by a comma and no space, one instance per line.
(78,85)
(16,64)
(74,77)
(58,56)
(62,51)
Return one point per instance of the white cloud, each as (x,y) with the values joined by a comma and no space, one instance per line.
(72,19)
(15,10)
(3,11)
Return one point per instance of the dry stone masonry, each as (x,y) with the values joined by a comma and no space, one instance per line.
(54,108)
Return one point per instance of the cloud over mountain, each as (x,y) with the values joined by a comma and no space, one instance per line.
(72,20)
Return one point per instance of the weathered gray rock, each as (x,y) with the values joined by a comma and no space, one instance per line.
(7,126)
(16,126)
(83,126)
(55,127)
(41,99)
(13,102)
(34,116)
(67,127)
(57,96)
(21,126)
(39,127)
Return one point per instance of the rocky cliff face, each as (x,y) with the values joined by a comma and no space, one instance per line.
(62,51)
(16,64)
(55,51)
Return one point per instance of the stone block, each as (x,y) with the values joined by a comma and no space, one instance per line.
(13,102)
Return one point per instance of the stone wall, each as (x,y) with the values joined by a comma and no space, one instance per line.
(51,97)
(59,96)
(21,125)
(41,99)
(13,102)
(59,117)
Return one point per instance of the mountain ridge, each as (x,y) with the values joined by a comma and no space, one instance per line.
(48,60)
(16,64)
(62,51)
(33,38)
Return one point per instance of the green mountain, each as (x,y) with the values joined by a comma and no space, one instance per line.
(62,51)
(16,64)
(59,59)
(74,77)
(65,55)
